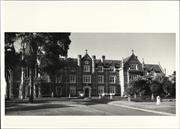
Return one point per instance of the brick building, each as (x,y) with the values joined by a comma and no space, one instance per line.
(90,76)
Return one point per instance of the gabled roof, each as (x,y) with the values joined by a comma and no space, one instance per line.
(130,57)
(150,67)
(86,56)
(126,59)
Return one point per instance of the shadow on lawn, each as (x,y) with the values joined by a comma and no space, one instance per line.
(35,107)
(93,101)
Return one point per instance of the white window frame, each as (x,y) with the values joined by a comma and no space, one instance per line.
(110,79)
(72,78)
(100,79)
(133,66)
(112,90)
(100,69)
(86,68)
(86,78)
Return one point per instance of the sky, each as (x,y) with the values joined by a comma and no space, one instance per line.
(155,48)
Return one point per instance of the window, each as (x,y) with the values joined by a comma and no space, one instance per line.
(100,79)
(73,91)
(133,77)
(100,89)
(86,68)
(86,78)
(112,69)
(112,89)
(112,79)
(72,78)
(100,68)
(133,67)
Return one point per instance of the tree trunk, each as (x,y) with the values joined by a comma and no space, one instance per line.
(21,84)
(140,94)
(135,96)
(31,85)
(39,91)
(152,96)
(11,84)
(7,74)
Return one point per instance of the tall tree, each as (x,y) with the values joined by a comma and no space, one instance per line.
(11,60)
(48,46)
(57,44)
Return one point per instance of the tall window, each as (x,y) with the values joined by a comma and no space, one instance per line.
(112,79)
(86,68)
(112,89)
(100,79)
(72,78)
(133,77)
(100,68)
(112,69)
(86,78)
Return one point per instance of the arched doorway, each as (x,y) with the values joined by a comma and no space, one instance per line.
(86,94)
(87,91)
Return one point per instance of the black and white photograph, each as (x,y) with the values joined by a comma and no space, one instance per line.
(90,74)
(90,64)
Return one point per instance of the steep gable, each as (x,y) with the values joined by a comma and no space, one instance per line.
(131,59)
(152,67)
(86,57)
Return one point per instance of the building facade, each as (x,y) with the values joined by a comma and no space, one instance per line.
(88,76)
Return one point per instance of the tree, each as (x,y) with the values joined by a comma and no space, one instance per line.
(48,46)
(56,45)
(140,86)
(11,61)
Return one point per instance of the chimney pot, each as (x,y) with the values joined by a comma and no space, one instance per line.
(103,58)
(94,57)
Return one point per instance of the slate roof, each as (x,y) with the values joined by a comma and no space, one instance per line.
(126,59)
(150,67)
(116,63)
(86,56)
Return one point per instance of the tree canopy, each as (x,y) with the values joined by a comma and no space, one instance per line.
(43,49)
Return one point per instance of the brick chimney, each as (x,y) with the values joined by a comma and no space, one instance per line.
(79,60)
(103,58)
(93,63)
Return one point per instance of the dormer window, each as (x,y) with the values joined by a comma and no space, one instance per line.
(112,69)
(100,68)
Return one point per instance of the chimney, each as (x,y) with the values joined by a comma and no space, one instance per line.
(94,57)
(143,63)
(93,63)
(103,58)
(122,63)
(79,60)
(165,71)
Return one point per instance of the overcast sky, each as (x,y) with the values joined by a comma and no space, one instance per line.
(153,47)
